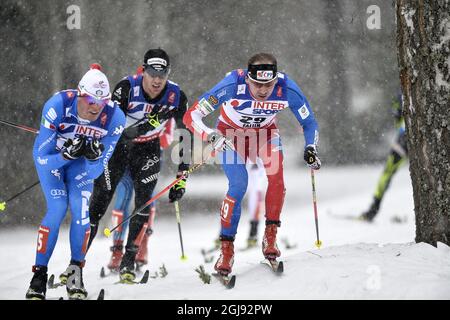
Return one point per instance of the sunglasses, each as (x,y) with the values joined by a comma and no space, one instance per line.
(163,73)
(91,101)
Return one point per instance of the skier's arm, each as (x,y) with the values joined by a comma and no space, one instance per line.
(121,93)
(207,103)
(179,114)
(45,153)
(303,113)
(178,190)
(181,110)
(95,168)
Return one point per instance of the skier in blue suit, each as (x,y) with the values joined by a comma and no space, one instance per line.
(78,133)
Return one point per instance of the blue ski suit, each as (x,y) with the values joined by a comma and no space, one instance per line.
(69,183)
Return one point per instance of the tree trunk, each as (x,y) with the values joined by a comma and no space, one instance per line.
(423,38)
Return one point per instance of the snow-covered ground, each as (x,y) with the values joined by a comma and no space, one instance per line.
(358,260)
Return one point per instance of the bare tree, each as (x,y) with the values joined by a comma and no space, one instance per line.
(423,37)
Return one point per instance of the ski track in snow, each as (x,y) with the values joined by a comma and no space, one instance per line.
(357,260)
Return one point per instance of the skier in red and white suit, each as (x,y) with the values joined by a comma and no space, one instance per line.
(249,101)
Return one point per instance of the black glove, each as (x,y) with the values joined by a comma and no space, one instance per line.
(74,148)
(158,115)
(178,190)
(311,157)
(93,150)
(152,120)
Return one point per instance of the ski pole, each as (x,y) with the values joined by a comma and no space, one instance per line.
(107,231)
(18,126)
(316,219)
(177,212)
(3,204)
(29,129)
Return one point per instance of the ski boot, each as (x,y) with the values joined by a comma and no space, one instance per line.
(253,236)
(116,257)
(269,246)
(225,262)
(74,283)
(370,214)
(38,284)
(142,255)
(127,274)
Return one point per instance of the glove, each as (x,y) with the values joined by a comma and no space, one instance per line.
(93,150)
(154,119)
(74,148)
(219,142)
(311,157)
(178,190)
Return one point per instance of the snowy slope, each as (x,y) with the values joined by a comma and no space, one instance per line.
(357,261)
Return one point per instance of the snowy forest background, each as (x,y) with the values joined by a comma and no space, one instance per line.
(346,66)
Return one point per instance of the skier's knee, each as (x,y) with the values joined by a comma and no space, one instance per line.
(238,188)
(55,214)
